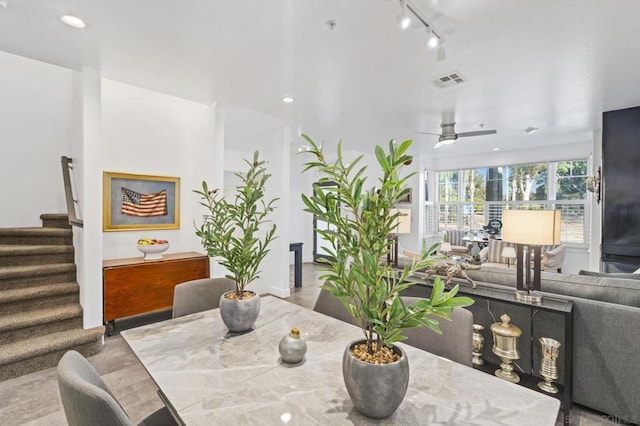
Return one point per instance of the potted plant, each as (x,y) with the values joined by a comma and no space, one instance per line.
(232,232)
(375,370)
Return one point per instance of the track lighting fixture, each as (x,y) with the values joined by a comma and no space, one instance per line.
(403,18)
(434,39)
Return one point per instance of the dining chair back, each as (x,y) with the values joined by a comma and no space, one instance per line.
(199,295)
(455,342)
(332,306)
(87,400)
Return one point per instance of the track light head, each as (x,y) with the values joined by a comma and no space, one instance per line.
(433,40)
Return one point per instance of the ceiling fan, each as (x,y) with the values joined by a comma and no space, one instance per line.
(449,135)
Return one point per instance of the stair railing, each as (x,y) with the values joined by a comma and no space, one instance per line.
(72,203)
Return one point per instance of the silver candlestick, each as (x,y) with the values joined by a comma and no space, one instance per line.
(478,344)
(549,350)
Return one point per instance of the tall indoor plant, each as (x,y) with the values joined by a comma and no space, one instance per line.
(360,221)
(233,232)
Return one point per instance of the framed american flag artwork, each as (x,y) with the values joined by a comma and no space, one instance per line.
(134,202)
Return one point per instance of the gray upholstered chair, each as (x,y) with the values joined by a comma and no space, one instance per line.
(87,400)
(329,305)
(199,295)
(455,342)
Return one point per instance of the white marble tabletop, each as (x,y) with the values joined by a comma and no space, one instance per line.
(212,377)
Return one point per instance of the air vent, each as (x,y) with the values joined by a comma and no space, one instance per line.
(449,80)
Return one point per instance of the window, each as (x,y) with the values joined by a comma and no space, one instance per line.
(469,198)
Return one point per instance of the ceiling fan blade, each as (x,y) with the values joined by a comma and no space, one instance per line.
(477,133)
(428,133)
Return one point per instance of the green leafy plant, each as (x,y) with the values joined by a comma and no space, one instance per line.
(359,223)
(232,230)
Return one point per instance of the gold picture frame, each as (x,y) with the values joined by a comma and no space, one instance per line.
(135,202)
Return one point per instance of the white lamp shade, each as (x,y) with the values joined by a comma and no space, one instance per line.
(531,227)
(509,252)
(403,221)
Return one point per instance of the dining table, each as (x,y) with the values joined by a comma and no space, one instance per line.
(207,375)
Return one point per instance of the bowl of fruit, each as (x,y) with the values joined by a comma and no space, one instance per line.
(151,248)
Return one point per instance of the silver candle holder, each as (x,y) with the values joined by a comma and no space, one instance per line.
(478,344)
(549,350)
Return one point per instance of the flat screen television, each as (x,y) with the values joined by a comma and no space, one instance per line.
(621,187)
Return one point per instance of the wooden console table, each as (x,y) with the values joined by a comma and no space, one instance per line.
(134,286)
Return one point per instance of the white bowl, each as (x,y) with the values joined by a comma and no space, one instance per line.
(152,251)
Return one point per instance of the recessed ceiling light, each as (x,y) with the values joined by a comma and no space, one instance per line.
(287,99)
(496,149)
(529,130)
(73,21)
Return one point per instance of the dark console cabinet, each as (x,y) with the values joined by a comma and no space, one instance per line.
(621,190)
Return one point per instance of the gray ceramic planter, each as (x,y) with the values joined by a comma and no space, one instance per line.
(239,315)
(376,390)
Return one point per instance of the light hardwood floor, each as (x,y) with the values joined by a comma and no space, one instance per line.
(33,399)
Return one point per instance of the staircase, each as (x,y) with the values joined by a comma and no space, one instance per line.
(40,312)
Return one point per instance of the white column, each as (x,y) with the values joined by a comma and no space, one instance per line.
(86,153)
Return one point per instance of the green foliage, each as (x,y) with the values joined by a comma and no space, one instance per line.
(360,221)
(232,231)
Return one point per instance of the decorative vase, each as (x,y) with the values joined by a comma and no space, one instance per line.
(505,345)
(376,390)
(292,347)
(239,315)
(549,349)
(478,344)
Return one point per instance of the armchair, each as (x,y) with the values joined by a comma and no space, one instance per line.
(552,259)
(455,238)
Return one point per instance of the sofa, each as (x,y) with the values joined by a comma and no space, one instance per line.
(552,255)
(606,336)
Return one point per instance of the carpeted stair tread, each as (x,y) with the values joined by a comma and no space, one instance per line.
(32,318)
(39,292)
(9,272)
(55,220)
(50,343)
(31,250)
(40,314)
(35,232)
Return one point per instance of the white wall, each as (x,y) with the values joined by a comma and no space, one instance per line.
(149,133)
(596,208)
(300,222)
(36,129)
(271,138)
(87,154)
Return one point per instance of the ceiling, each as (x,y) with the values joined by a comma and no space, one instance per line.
(551,64)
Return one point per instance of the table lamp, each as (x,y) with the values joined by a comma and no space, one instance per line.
(509,253)
(402,226)
(531,228)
